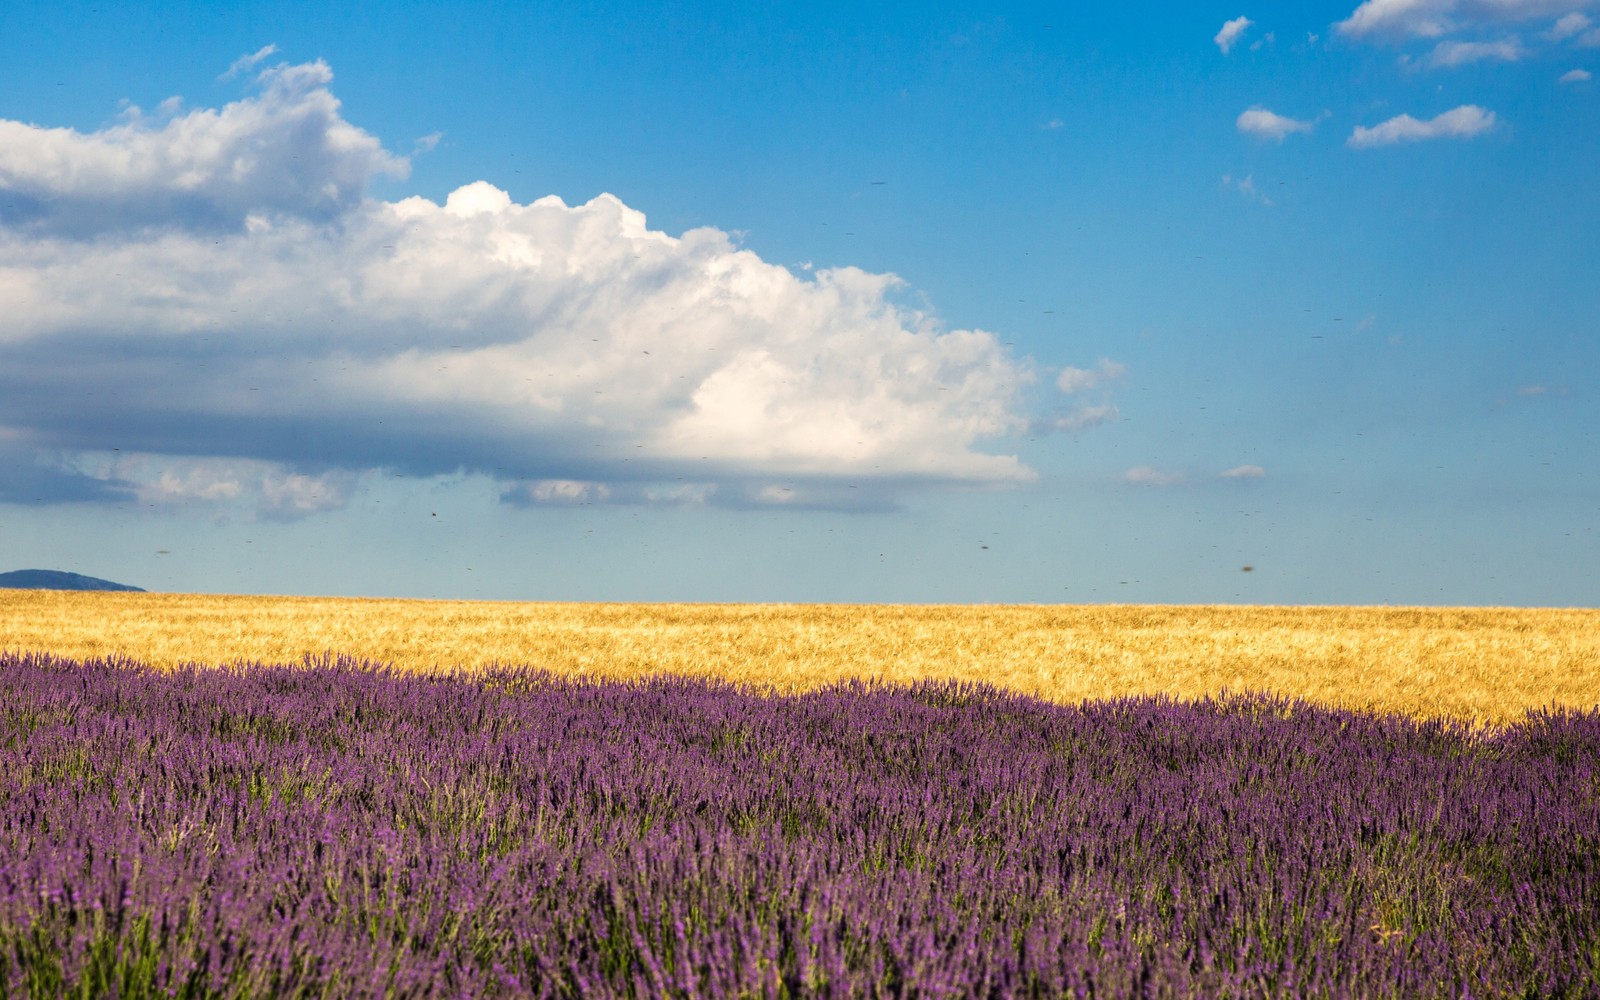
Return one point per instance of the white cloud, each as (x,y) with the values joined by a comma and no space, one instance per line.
(1084,417)
(565,491)
(291,495)
(1401,19)
(1078,379)
(272,490)
(172,486)
(217,284)
(1246,186)
(287,150)
(1590,39)
(1270,125)
(1425,18)
(1144,475)
(244,63)
(680,493)
(1243,472)
(1575,76)
(1230,33)
(1459,123)
(1569,25)
(1448,55)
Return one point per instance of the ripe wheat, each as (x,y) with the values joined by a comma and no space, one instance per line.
(1485,666)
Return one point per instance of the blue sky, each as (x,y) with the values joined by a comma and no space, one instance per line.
(732,302)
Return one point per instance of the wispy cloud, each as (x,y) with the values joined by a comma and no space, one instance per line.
(1575,76)
(1231,32)
(1078,379)
(1246,186)
(1084,417)
(1459,123)
(215,486)
(1145,475)
(562,492)
(246,63)
(1448,55)
(1258,121)
(219,286)
(1243,472)
(1571,24)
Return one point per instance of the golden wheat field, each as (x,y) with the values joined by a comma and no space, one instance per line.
(1482,665)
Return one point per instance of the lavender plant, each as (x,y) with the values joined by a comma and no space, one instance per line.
(336,829)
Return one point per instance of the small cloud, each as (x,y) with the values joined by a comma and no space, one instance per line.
(1078,379)
(560,492)
(1263,42)
(1247,187)
(1230,33)
(244,63)
(427,143)
(1312,37)
(1589,39)
(1145,475)
(1574,23)
(1534,391)
(197,483)
(291,496)
(1459,123)
(1397,18)
(1243,472)
(1085,417)
(1576,76)
(1448,55)
(1259,121)
(680,493)
(1052,124)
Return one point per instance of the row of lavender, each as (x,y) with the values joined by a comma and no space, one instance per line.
(338,830)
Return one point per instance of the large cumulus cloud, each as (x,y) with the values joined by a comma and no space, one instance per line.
(218,286)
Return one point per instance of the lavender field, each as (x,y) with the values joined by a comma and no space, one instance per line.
(336,829)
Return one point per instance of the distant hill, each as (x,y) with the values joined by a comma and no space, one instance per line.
(54,579)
